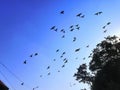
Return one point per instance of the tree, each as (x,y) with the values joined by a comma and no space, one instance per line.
(104,68)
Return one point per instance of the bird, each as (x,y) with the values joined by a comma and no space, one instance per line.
(87,46)
(82,16)
(63,66)
(31,55)
(40,75)
(100,12)
(53,27)
(62,30)
(77,25)
(72,29)
(84,58)
(61,56)
(58,70)
(62,12)
(63,53)
(71,26)
(48,67)
(104,31)
(96,13)
(63,36)
(57,50)
(49,73)
(36,54)
(108,23)
(25,62)
(54,60)
(56,30)
(22,83)
(77,50)
(78,15)
(104,27)
(78,28)
(66,61)
(74,39)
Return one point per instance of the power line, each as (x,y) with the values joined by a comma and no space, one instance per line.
(7,80)
(11,72)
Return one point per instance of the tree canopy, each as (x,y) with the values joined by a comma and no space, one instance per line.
(104,67)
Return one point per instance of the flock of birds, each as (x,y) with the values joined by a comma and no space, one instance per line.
(62,56)
(71,29)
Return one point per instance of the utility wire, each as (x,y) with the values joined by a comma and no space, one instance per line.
(7,80)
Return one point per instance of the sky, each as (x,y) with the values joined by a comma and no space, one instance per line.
(25,29)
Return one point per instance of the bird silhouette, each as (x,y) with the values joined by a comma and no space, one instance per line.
(53,27)
(49,73)
(48,67)
(74,39)
(104,31)
(66,61)
(57,50)
(82,16)
(40,75)
(72,29)
(104,27)
(78,28)
(63,53)
(84,58)
(77,25)
(54,60)
(96,13)
(25,62)
(108,23)
(22,83)
(87,46)
(56,30)
(36,54)
(71,26)
(63,36)
(62,12)
(77,50)
(100,12)
(63,66)
(78,15)
(31,55)
(58,70)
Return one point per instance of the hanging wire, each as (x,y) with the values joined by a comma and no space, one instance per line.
(7,80)
(11,72)
(22,83)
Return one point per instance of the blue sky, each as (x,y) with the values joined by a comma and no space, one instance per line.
(25,29)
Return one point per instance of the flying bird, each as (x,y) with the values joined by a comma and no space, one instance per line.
(31,55)
(25,62)
(36,54)
(108,23)
(105,31)
(82,16)
(72,29)
(100,12)
(78,15)
(78,28)
(40,75)
(66,61)
(104,27)
(96,13)
(63,36)
(48,67)
(87,46)
(74,39)
(71,26)
(77,50)
(63,53)
(57,50)
(62,12)
(77,25)
(49,73)
(22,83)
(63,66)
(53,27)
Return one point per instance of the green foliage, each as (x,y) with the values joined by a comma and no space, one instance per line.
(104,66)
